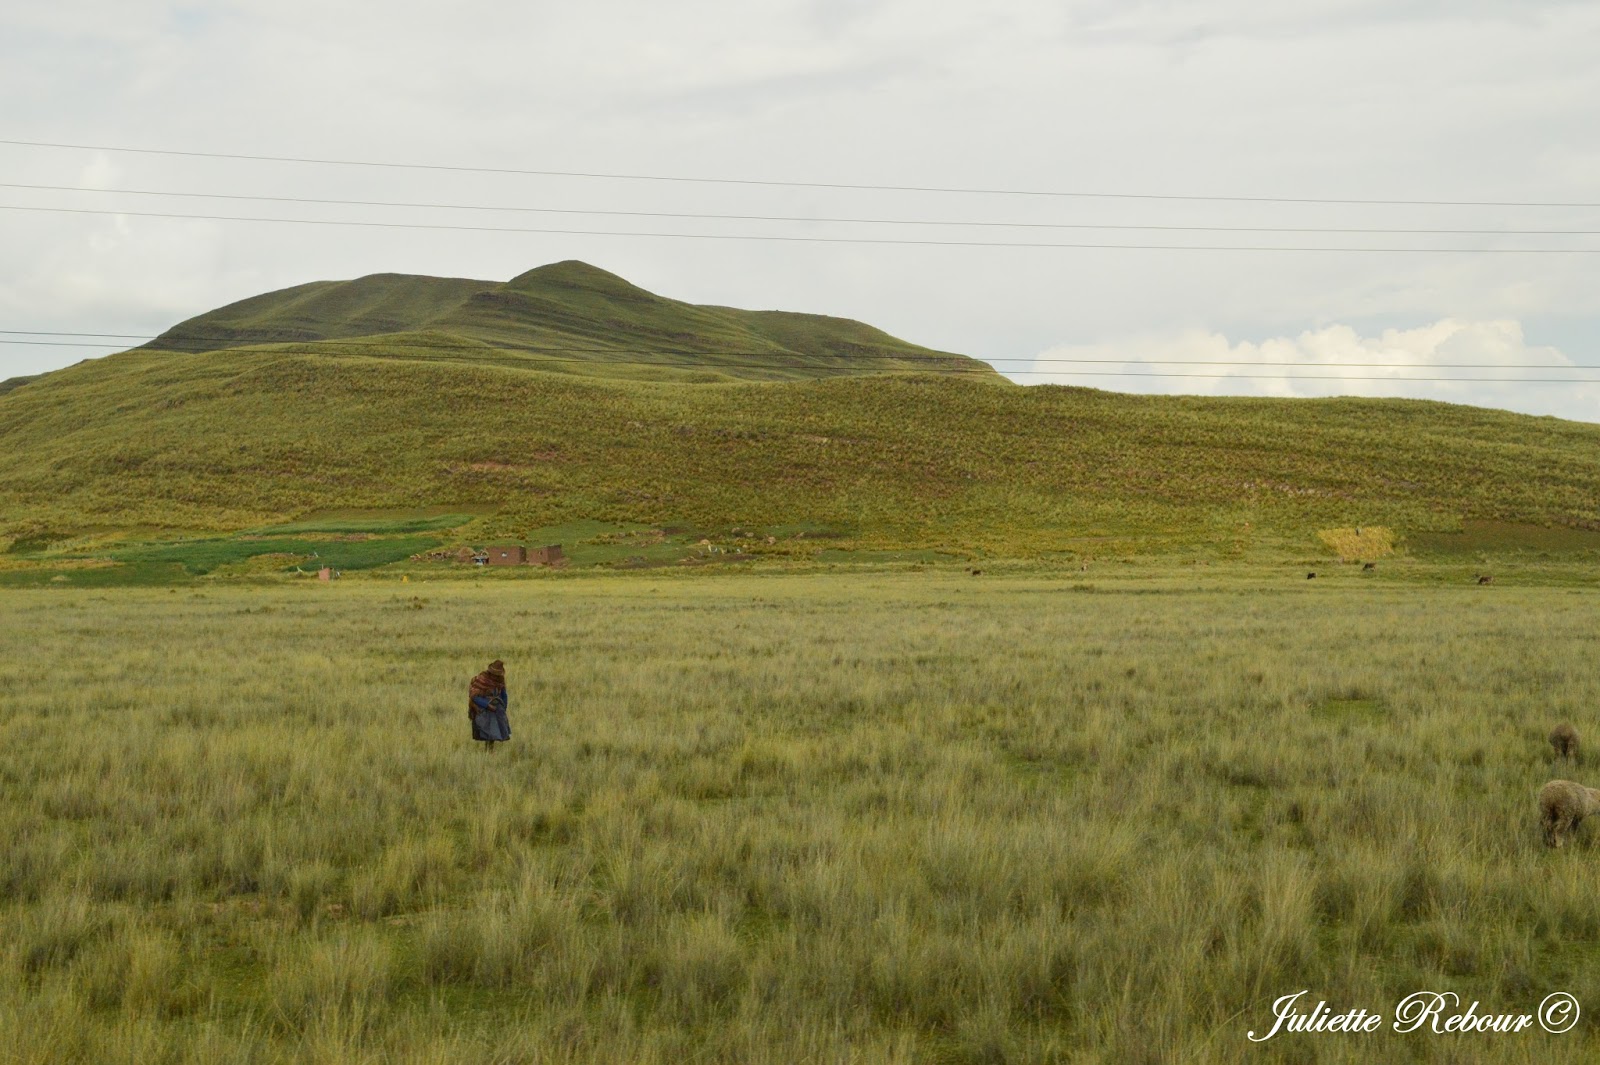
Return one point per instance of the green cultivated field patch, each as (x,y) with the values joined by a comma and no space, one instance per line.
(122,575)
(377,523)
(199,557)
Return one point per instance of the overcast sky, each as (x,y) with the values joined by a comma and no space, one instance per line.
(1431,100)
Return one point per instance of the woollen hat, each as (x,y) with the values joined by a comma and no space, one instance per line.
(497,667)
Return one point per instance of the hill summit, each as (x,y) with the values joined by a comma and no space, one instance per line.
(579,275)
(568,315)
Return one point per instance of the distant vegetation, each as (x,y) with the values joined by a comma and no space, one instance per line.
(460,406)
(205,556)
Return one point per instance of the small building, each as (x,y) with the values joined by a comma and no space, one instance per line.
(548,555)
(507,555)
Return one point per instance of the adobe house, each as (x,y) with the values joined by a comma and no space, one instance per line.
(548,555)
(507,555)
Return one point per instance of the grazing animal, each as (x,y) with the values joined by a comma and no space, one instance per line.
(1562,807)
(1311,576)
(1564,738)
(976,572)
(1486,579)
(1369,565)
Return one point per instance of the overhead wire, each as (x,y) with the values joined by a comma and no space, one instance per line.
(851,186)
(807,238)
(807,219)
(237,342)
(952,365)
(322,346)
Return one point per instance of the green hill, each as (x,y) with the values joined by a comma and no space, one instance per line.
(567,315)
(450,410)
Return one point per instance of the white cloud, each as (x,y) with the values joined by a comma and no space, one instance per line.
(1483,363)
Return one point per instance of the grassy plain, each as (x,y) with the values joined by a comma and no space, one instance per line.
(885,817)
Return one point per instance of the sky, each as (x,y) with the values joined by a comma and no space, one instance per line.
(1213,125)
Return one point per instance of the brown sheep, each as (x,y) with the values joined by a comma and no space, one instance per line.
(1562,807)
(1564,738)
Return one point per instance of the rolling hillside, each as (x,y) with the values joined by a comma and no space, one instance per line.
(565,316)
(446,407)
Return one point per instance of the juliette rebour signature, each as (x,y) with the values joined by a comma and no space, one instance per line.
(1424,1011)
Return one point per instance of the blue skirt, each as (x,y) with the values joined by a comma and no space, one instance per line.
(491,725)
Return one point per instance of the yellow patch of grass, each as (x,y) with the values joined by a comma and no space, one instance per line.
(274,562)
(1366,543)
(55,564)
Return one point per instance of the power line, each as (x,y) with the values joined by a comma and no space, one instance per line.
(800,360)
(354,341)
(370,345)
(799,239)
(55,343)
(69,333)
(899,357)
(858,187)
(815,219)
(912,356)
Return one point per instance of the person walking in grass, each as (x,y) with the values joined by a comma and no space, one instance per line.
(486,705)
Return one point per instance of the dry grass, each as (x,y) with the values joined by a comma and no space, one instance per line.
(781,819)
(237,439)
(1361,544)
